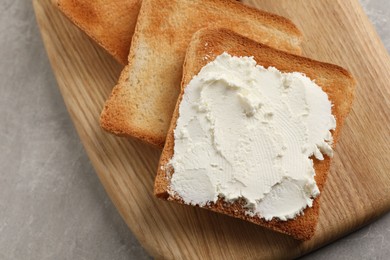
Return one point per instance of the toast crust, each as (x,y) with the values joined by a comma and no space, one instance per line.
(142,103)
(334,80)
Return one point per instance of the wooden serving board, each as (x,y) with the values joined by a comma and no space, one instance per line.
(358,187)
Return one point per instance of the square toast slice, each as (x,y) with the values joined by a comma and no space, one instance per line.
(334,80)
(110,23)
(142,103)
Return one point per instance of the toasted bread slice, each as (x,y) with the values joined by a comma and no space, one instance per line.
(142,103)
(110,23)
(338,83)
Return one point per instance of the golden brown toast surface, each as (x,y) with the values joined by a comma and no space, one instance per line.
(110,23)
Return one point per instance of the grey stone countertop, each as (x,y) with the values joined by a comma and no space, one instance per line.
(52,205)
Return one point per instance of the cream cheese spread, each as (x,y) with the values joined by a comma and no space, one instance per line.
(249,132)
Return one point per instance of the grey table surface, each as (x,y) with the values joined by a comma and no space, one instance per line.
(52,205)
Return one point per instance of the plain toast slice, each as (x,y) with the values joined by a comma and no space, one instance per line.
(338,83)
(110,23)
(142,103)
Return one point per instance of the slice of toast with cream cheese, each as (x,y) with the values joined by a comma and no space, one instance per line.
(253,132)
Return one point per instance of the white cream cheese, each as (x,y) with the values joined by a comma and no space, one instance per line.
(248,132)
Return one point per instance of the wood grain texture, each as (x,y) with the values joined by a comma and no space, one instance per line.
(358,187)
